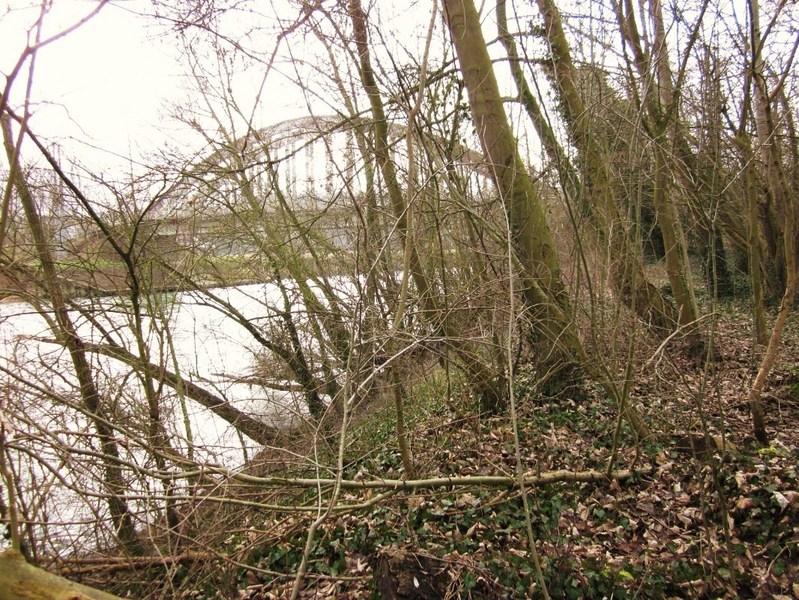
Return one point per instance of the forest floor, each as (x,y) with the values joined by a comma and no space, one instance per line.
(709,514)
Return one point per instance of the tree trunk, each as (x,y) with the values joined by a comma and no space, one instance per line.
(754,247)
(769,147)
(627,269)
(22,581)
(783,204)
(401,209)
(556,343)
(662,108)
(570,179)
(382,154)
(66,332)
(677,265)
(660,101)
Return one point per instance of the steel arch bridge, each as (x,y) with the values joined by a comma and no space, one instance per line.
(311,165)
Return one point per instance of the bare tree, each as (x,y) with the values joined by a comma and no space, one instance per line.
(595,194)
(545,295)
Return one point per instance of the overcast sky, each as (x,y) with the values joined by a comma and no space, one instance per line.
(106,81)
(113,82)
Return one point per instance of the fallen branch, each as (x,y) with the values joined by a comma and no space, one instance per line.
(545,478)
(111,564)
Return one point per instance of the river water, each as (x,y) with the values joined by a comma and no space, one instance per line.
(210,349)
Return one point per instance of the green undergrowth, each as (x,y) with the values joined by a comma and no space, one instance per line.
(479,529)
(426,401)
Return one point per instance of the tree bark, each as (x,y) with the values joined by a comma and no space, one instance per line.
(769,148)
(20,580)
(627,269)
(570,179)
(560,354)
(783,204)
(662,109)
(556,343)
(660,100)
(113,477)
(382,153)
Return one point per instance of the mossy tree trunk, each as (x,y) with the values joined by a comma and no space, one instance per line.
(663,111)
(627,268)
(659,97)
(784,204)
(567,172)
(555,340)
(560,354)
(22,581)
(769,147)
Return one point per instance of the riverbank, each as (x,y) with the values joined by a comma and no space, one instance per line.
(81,281)
(698,511)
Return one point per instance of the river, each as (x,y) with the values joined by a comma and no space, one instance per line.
(49,437)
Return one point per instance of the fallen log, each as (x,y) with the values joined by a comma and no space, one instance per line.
(20,580)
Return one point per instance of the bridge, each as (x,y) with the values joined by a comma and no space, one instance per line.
(314,166)
(306,175)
